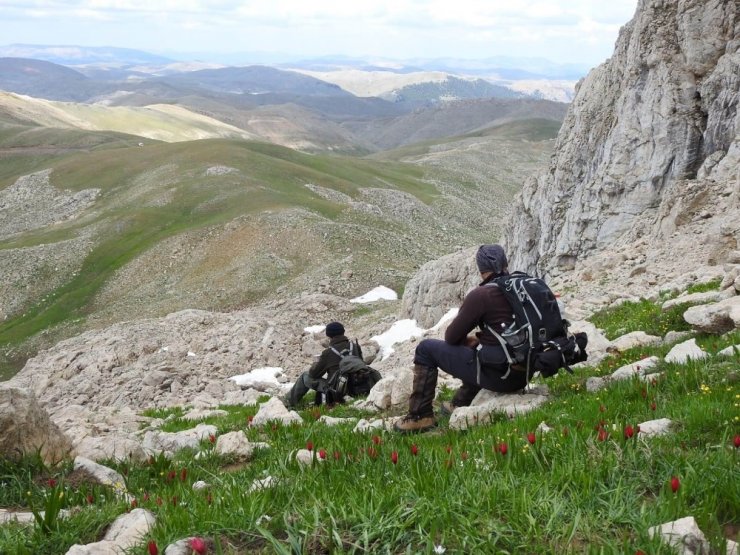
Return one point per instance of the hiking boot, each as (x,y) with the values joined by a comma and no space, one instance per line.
(411,424)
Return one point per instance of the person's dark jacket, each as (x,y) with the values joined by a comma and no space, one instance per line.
(328,362)
(485,304)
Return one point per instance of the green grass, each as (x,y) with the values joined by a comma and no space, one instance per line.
(642,315)
(570,492)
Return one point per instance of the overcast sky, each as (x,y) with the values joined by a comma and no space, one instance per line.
(579,31)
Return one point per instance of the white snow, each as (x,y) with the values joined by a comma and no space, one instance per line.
(259,375)
(380,292)
(315,329)
(446,318)
(400,331)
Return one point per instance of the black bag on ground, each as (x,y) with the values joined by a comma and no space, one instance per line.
(354,376)
(538,340)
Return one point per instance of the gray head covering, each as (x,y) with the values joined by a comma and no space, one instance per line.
(491,258)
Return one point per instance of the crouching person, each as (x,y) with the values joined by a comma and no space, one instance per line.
(327,365)
(484,307)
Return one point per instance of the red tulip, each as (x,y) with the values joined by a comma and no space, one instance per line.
(152,548)
(639,552)
(183,474)
(448,449)
(643,392)
(503,448)
(464,455)
(146,497)
(90,499)
(212,438)
(372,452)
(337,455)
(629,431)
(249,419)
(322,454)
(653,406)
(174,500)
(394,457)
(209,498)
(414,450)
(198,545)
(309,445)
(159,501)
(675,484)
(603,435)
(51,482)
(737,441)
(602,408)
(565,431)
(134,503)
(171,475)
(376,440)
(531,438)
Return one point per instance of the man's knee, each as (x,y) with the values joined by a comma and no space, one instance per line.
(424,355)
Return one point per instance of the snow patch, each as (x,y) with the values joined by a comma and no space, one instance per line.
(380,292)
(269,374)
(400,331)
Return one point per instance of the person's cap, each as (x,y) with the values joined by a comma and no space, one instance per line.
(333,329)
(491,258)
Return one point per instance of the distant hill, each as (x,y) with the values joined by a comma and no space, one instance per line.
(71,55)
(452,88)
(46,80)
(255,80)
(454,118)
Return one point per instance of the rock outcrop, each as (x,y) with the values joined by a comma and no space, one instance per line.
(649,150)
(26,428)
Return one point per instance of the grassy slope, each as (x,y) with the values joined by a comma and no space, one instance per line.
(271,178)
(573,491)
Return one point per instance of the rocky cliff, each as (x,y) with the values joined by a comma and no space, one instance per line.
(649,144)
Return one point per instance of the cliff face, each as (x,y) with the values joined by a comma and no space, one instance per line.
(657,120)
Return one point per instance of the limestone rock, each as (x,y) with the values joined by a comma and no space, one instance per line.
(683,352)
(596,383)
(392,390)
(126,531)
(648,148)
(693,299)
(439,286)
(717,318)
(489,402)
(369,425)
(234,444)
(102,474)
(633,339)
(170,443)
(200,485)
(265,483)
(306,457)
(683,535)
(112,446)
(634,369)
(730,351)
(274,411)
(653,428)
(331,421)
(675,336)
(25,427)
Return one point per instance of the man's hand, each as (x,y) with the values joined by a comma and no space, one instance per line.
(471,341)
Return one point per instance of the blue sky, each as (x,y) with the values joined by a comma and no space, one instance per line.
(577,31)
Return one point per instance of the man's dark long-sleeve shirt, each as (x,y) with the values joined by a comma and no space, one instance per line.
(485,304)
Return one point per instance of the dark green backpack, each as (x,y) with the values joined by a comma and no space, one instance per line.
(354,377)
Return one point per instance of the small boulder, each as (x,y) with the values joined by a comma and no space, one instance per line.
(683,352)
(632,340)
(634,369)
(274,411)
(25,428)
(488,402)
(715,318)
(596,383)
(202,414)
(683,535)
(169,443)
(730,351)
(654,428)
(102,474)
(125,533)
(235,444)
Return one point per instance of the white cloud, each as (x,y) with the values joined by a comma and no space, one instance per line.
(392,28)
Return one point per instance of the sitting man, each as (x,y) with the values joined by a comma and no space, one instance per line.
(456,355)
(328,363)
